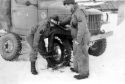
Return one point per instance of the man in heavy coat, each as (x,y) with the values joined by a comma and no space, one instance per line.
(81,38)
(38,33)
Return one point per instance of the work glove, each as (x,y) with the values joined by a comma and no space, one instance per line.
(76,42)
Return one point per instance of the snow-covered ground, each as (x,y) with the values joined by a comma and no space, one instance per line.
(109,68)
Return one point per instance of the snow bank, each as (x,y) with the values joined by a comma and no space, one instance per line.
(110,65)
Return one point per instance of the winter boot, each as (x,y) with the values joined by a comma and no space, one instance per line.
(73,70)
(81,76)
(33,68)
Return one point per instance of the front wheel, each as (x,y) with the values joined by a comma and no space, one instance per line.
(98,47)
(10,46)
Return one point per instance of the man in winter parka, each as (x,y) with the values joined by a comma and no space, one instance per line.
(81,38)
(38,33)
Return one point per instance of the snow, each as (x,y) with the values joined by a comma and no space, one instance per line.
(106,69)
(91,3)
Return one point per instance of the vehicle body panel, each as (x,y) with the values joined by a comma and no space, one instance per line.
(25,17)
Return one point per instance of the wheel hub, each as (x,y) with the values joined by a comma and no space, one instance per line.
(93,45)
(57,53)
(8,47)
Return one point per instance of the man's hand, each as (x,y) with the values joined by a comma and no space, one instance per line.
(76,42)
(68,26)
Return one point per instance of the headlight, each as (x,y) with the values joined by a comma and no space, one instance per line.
(105,17)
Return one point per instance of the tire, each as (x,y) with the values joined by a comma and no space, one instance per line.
(56,58)
(64,58)
(98,48)
(10,46)
(67,53)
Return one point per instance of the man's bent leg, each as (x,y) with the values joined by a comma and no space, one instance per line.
(30,39)
(33,58)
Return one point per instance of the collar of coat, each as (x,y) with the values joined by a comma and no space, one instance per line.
(75,6)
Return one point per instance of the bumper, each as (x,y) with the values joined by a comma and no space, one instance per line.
(101,36)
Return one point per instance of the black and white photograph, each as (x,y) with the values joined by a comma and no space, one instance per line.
(62,41)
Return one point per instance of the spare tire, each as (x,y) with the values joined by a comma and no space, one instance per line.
(10,46)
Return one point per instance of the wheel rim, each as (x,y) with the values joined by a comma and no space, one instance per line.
(57,53)
(8,46)
(94,46)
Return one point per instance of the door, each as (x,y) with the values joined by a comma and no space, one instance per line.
(23,17)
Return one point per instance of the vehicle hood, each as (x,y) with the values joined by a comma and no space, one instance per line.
(57,8)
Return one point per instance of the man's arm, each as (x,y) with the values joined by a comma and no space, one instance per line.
(65,21)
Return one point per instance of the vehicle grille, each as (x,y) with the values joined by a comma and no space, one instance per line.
(94,24)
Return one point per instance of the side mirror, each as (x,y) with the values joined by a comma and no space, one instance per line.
(28,3)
